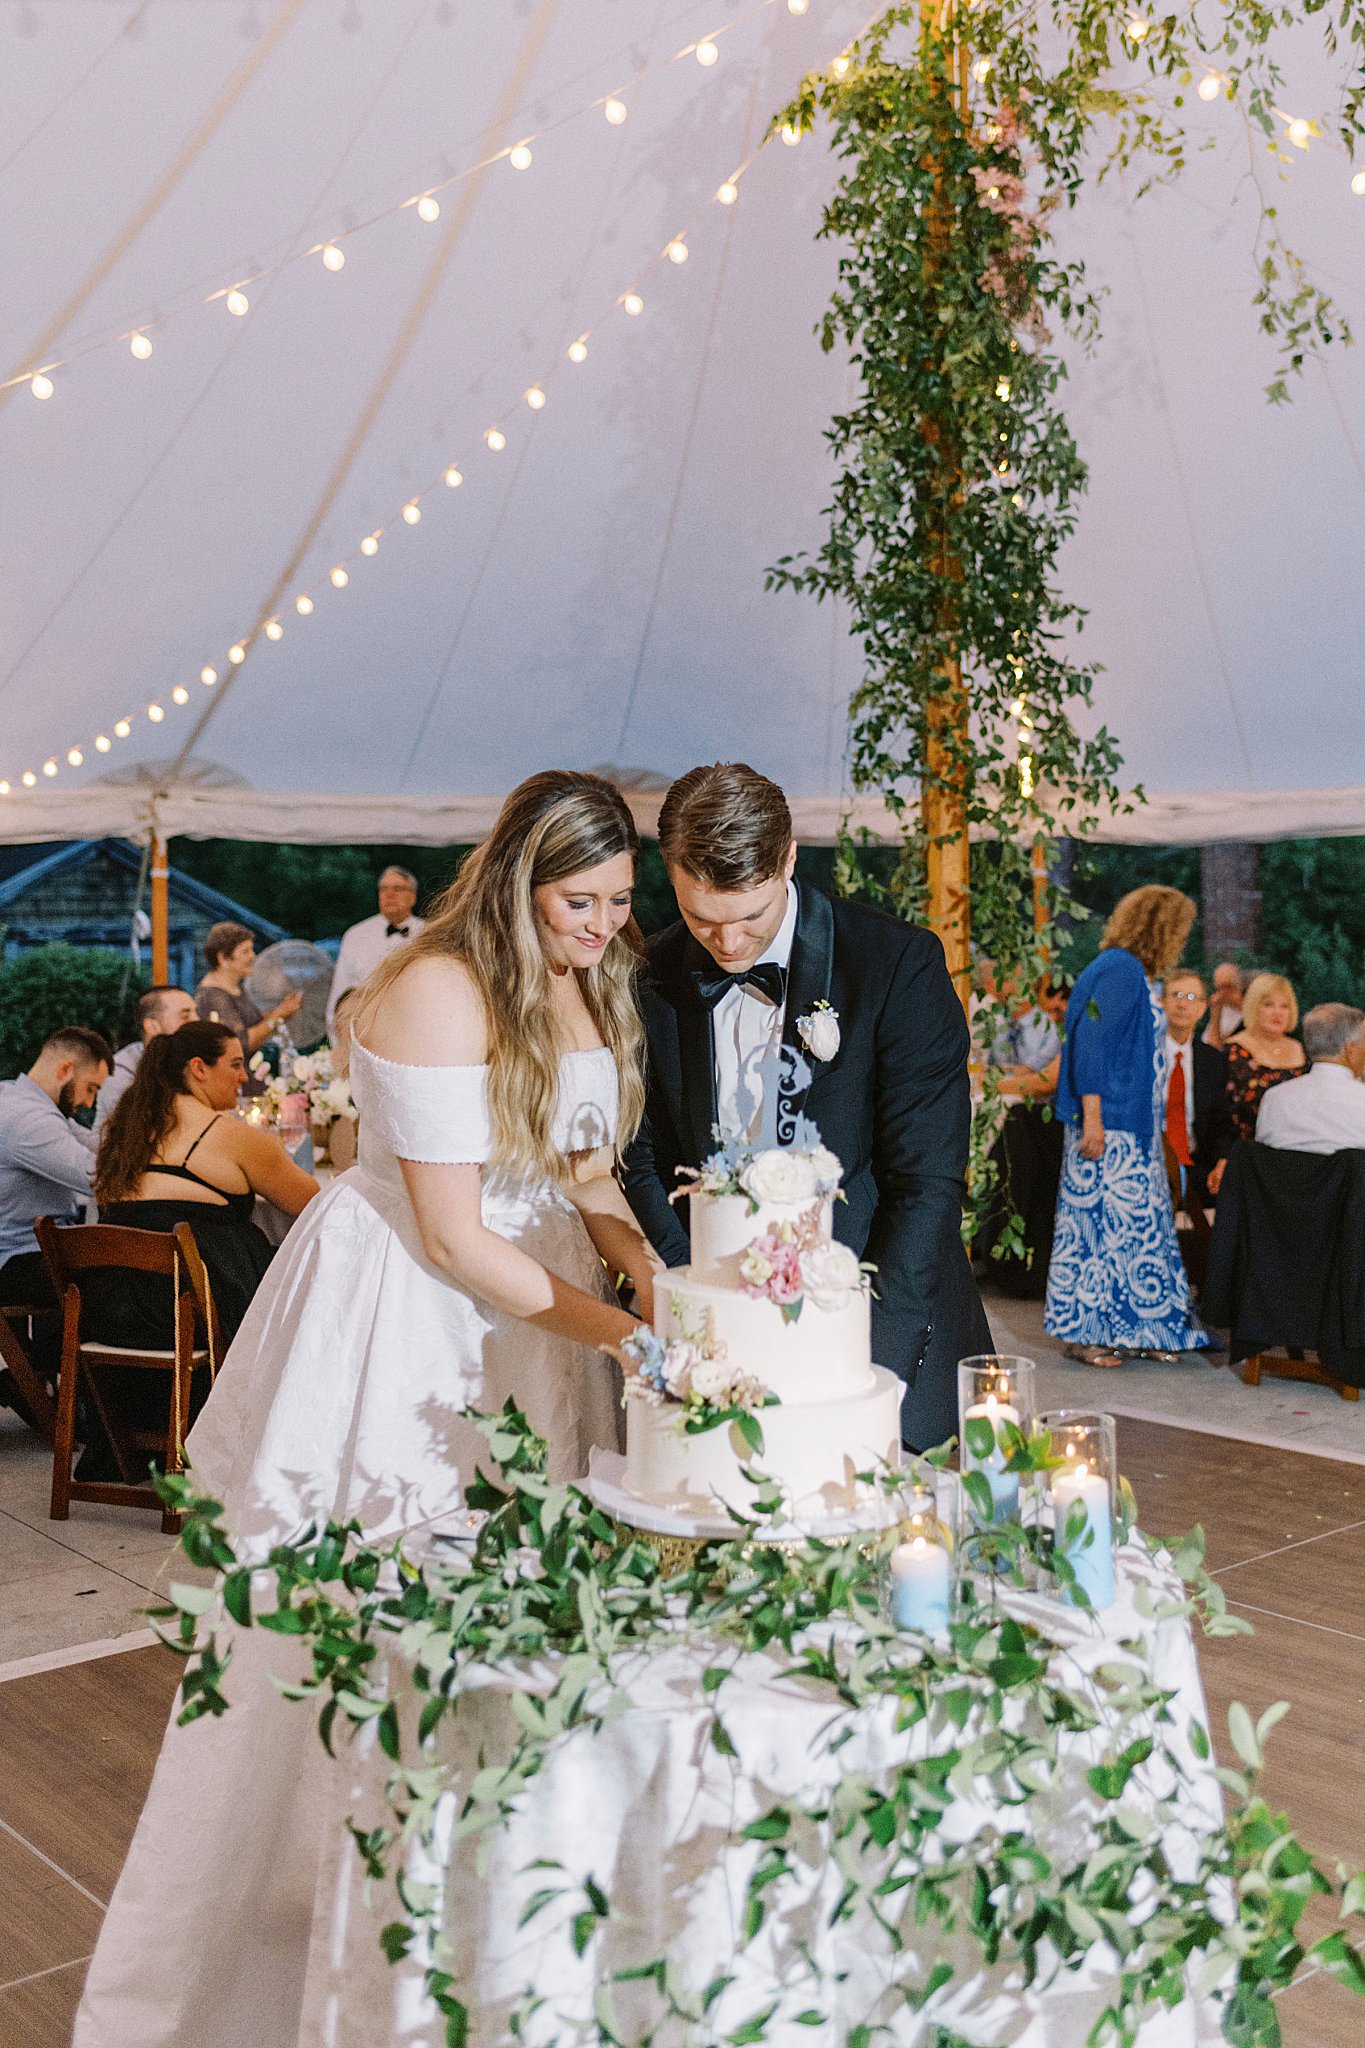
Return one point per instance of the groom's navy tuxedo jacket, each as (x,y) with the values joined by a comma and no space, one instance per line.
(893,1104)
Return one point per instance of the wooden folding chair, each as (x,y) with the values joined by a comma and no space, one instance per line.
(16,1358)
(74,1250)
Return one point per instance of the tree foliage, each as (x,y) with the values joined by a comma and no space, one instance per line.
(57,984)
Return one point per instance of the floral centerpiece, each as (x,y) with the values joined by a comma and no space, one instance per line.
(307,1089)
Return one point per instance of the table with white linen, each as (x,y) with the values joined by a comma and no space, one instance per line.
(650,1810)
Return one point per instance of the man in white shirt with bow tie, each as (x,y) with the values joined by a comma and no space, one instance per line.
(366,943)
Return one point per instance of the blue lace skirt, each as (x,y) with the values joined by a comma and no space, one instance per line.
(1116,1276)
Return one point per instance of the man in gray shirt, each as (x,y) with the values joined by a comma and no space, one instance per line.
(47,1164)
(159,1012)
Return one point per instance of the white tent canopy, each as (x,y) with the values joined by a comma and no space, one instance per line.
(591,595)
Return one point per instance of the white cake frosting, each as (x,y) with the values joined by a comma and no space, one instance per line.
(836,1413)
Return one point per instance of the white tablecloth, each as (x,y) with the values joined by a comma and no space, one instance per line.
(649,1809)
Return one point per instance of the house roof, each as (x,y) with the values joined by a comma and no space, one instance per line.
(184,888)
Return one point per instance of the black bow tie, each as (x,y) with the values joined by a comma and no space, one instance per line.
(395,931)
(766,977)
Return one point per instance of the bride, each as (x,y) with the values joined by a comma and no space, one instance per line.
(496,1066)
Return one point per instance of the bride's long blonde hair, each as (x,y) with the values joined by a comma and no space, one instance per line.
(555,824)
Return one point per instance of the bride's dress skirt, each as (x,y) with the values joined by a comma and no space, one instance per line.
(343,1395)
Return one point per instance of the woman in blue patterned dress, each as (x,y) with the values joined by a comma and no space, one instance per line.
(1116,1283)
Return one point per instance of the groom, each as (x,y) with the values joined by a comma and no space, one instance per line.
(763,968)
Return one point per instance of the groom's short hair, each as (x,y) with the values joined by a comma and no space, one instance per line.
(727,826)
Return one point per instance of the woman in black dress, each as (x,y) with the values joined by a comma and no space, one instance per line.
(173,1152)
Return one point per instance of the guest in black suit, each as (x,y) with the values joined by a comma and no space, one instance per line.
(1198,1129)
(882,1075)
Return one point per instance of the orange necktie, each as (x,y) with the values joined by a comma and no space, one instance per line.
(1177,1129)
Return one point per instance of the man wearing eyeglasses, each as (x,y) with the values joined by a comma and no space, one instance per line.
(1197,1132)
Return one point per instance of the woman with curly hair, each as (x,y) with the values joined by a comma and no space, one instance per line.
(1116,1283)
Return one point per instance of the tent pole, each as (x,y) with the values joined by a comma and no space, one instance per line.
(1038,876)
(943,803)
(161,912)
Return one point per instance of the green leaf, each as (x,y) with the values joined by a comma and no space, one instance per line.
(1341,1959)
(751,1431)
(1244,1736)
(192,1599)
(771,1827)
(395,1940)
(755,2029)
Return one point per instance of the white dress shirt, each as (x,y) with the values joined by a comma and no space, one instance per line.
(1176,1052)
(45,1168)
(1320,1111)
(117,1086)
(362,949)
(746,1032)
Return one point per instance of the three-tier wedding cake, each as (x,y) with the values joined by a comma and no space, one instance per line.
(769,1329)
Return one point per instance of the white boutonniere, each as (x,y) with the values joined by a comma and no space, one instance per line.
(819,1030)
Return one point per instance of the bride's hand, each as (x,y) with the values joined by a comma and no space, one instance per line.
(643,1283)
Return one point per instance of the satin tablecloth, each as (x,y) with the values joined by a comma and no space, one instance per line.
(648,1808)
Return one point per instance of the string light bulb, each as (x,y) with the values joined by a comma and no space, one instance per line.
(428,208)
(41,386)
(453,478)
(728,193)
(274,630)
(840,66)
(237,654)
(791,134)
(49,768)
(1209,88)
(1026,775)
(496,440)
(1358,184)
(1002,387)
(339,578)
(616,111)
(1300,132)
(981,70)
(1138,29)
(28,778)
(333,258)
(155,712)
(678,251)
(238,303)
(303,605)
(208,677)
(411,514)
(122,729)
(797,6)
(4,789)
(75,756)
(520,157)
(633,304)
(535,398)
(707,52)
(578,351)
(102,743)
(370,545)
(180,695)
(141,346)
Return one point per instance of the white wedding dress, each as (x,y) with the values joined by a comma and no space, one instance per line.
(344,1395)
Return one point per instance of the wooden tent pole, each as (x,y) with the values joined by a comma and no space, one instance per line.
(161,912)
(943,803)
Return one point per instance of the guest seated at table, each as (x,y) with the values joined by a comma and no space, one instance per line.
(159,1011)
(1322,1110)
(173,1152)
(1030,1047)
(1262,1053)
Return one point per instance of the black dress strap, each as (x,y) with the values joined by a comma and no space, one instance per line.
(200,1139)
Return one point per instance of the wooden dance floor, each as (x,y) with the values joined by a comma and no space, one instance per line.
(1286,1538)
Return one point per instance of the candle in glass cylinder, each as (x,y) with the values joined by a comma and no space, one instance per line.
(919,1585)
(1004,1485)
(1090,1552)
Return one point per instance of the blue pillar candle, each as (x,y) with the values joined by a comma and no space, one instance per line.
(919,1585)
(1090,1552)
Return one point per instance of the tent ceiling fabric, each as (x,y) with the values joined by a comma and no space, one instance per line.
(594,593)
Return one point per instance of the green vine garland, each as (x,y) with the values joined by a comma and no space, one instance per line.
(553,1582)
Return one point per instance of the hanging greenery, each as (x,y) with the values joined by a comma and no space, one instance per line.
(960,131)
(952,1835)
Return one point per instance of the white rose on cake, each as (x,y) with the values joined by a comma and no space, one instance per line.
(680,1365)
(829,1275)
(828,1169)
(711,1379)
(779,1176)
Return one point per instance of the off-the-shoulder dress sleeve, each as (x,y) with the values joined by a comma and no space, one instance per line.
(435,1115)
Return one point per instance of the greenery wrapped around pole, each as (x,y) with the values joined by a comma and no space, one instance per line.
(957,477)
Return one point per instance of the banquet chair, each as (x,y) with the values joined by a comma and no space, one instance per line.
(88,1364)
(1286,1269)
(14,1356)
